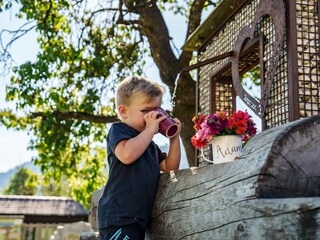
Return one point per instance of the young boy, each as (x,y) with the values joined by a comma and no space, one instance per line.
(135,161)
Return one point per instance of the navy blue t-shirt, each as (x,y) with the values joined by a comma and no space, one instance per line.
(129,194)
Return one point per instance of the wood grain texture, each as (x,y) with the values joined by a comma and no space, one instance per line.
(248,198)
(283,218)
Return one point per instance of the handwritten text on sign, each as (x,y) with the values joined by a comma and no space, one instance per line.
(228,151)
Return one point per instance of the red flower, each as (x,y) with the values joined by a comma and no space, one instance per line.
(222,115)
(198,120)
(196,142)
(218,124)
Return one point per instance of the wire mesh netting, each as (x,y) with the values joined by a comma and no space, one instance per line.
(215,91)
(308,55)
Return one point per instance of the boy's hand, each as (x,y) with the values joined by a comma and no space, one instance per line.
(172,162)
(153,120)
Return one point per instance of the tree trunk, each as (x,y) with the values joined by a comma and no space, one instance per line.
(170,66)
(271,192)
(287,218)
(185,110)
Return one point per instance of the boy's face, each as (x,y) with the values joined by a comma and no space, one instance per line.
(133,115)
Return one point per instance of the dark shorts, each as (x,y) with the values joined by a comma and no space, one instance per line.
(127,232)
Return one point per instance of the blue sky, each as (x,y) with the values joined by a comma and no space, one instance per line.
(13,144)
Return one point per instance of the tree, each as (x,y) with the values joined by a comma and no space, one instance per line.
(48,187)
(67,94)
(23,182)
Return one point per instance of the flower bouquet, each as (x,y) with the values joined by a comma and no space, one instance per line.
(220,124)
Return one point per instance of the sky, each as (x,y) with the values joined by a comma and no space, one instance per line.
(14,144)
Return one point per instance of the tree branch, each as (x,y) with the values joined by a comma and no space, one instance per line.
(88,21)
(82,116)
(155,29)
(15,35)
(193,23)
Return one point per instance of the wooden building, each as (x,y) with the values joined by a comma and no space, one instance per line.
(279,39)
(36,217)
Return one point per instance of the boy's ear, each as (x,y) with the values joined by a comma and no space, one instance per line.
(122,111)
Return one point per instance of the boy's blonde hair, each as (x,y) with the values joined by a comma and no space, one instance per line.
(132,86)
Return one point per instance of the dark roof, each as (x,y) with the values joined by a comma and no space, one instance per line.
(40,206)
(212,23)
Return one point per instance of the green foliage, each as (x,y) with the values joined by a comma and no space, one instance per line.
(24,182)
(254,75)
(48,187)
(251,79)
(70,75)
(85,50)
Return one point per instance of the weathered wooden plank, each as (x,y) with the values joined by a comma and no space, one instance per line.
(283,218)
(292,168)
(290,155)
(210,202)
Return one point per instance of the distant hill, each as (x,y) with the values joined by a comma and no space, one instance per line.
(6,176)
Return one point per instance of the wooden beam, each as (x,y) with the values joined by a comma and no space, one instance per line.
(271,192)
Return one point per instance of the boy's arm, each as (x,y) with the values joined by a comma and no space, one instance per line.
(172,161)
(129,150)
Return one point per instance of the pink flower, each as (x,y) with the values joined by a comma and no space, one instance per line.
(198,120)
(214,124)
(196,142)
